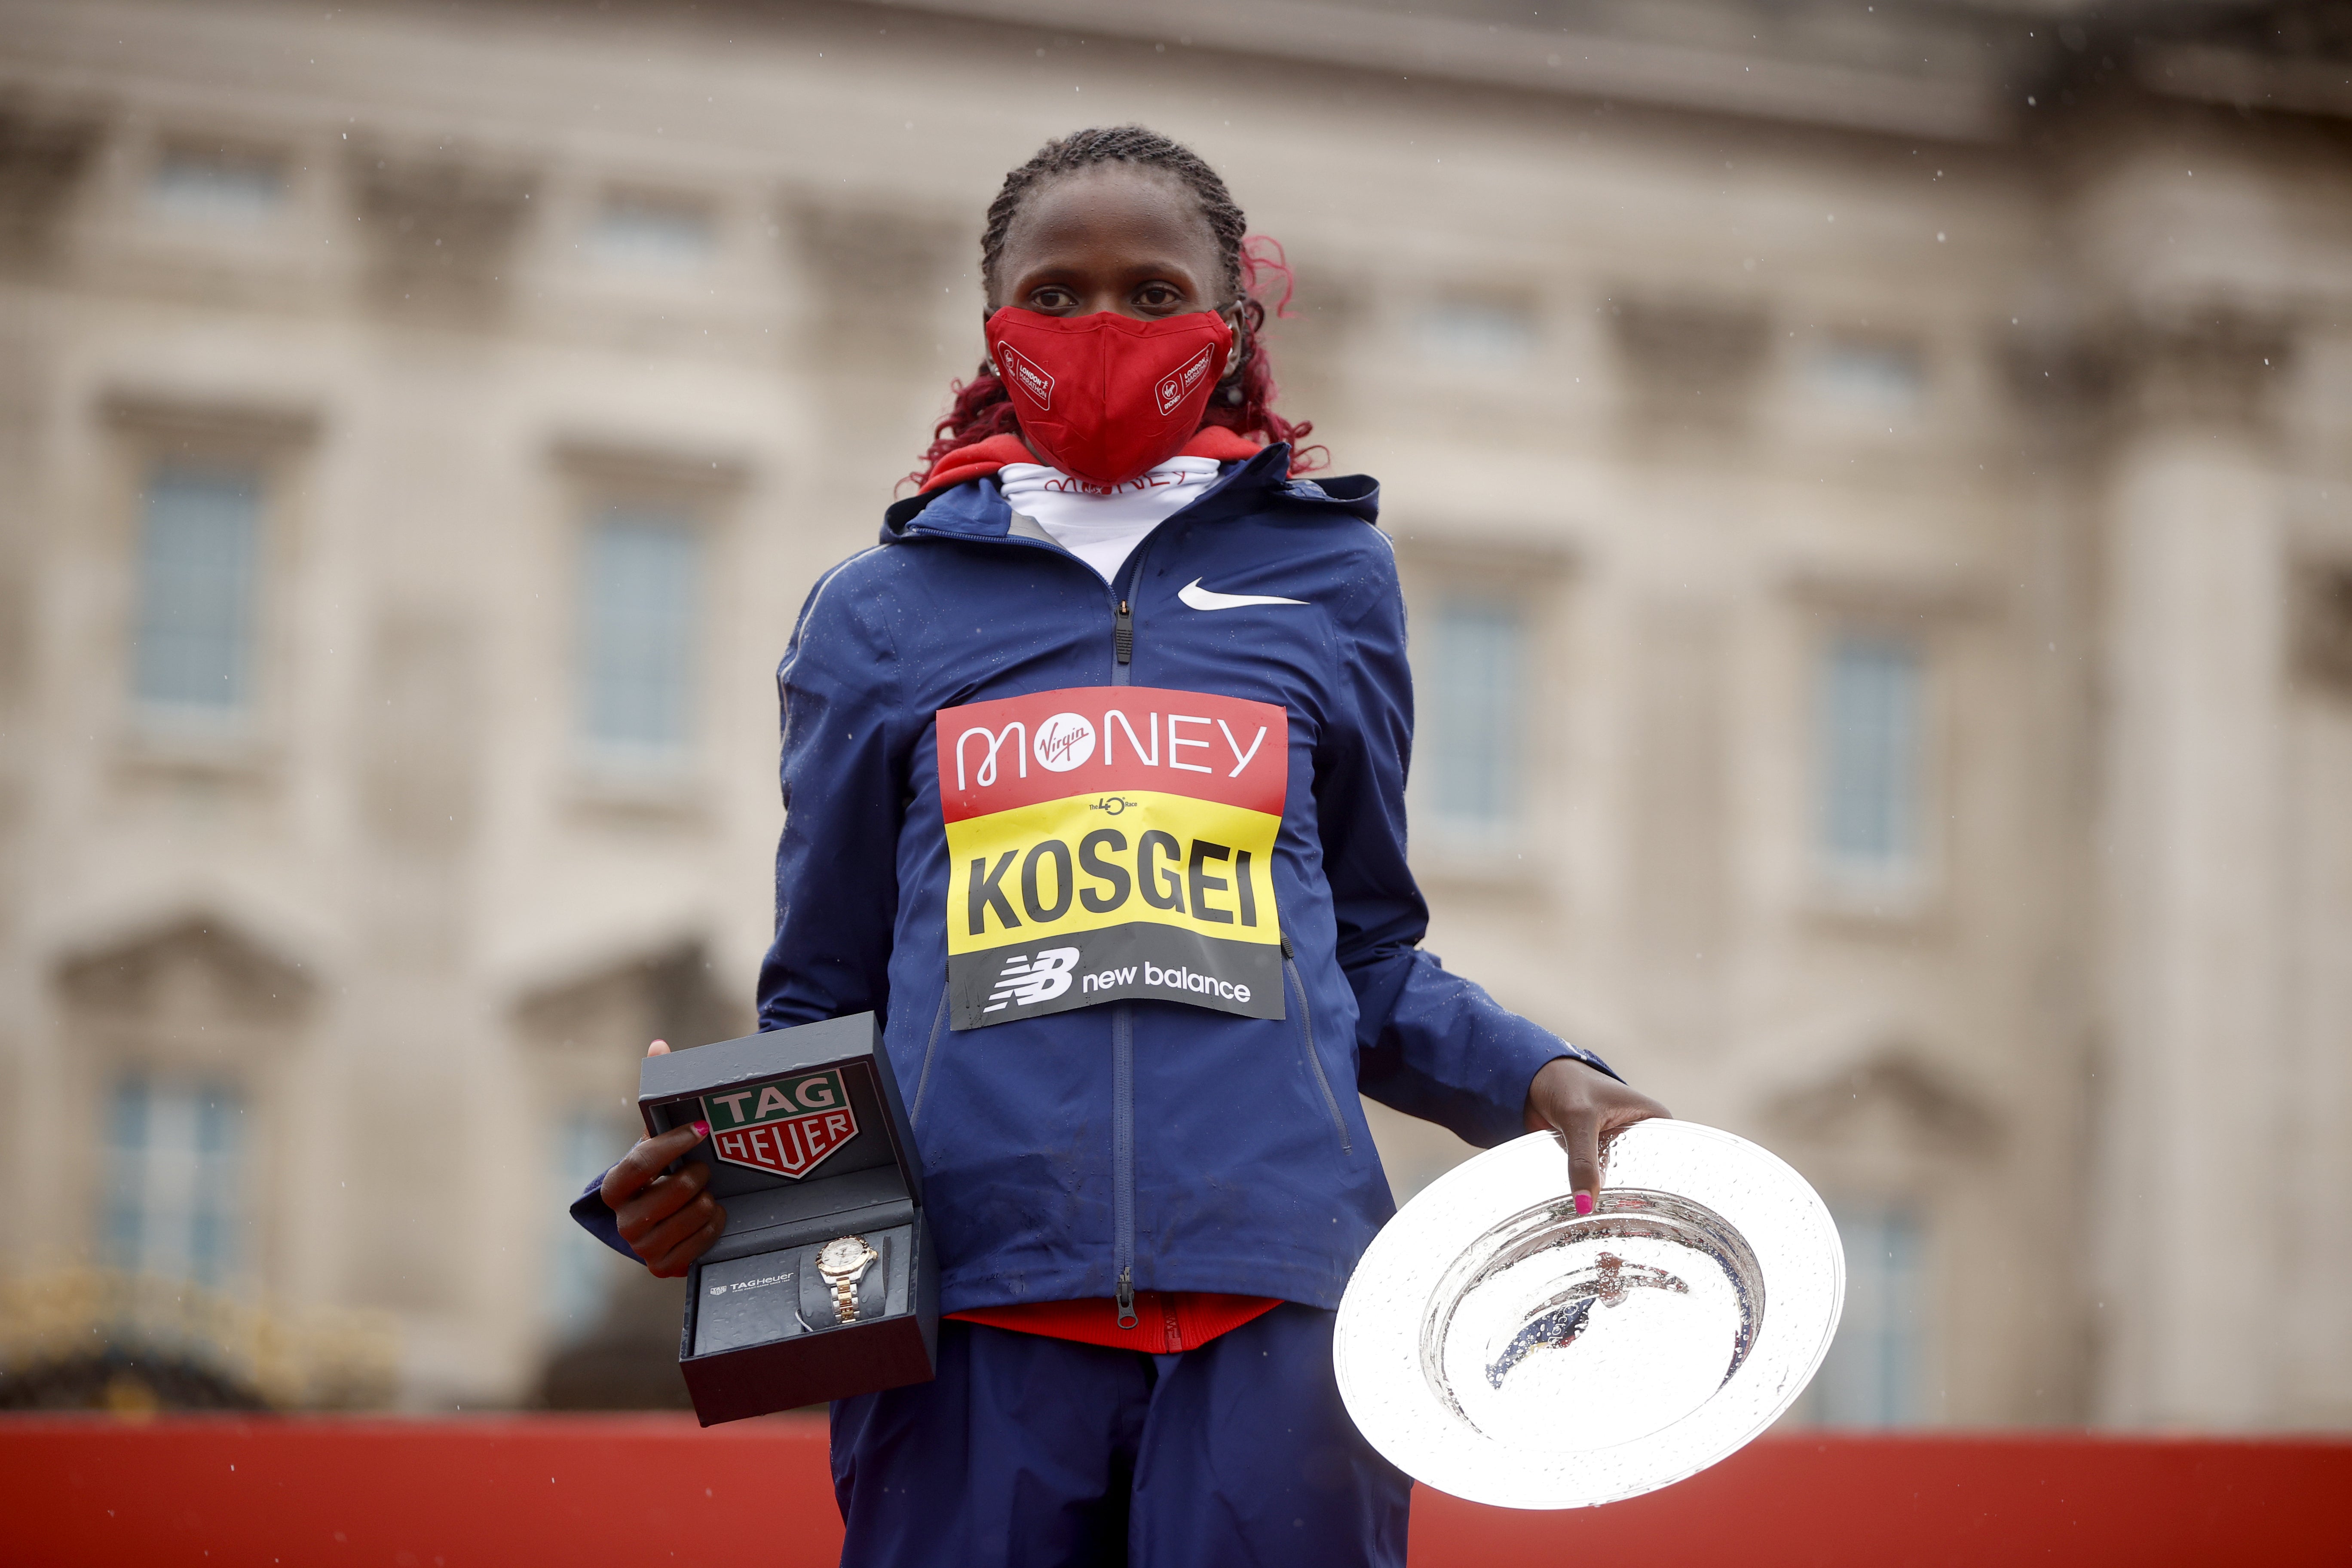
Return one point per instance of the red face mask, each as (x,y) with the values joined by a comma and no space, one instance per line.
(1106,397)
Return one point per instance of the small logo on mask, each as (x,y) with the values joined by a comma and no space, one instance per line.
(1178,384)
(1028,982)
(1025,374)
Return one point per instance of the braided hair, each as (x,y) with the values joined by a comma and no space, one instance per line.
(1252,265)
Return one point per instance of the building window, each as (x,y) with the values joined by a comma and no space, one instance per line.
(173,1172)
(579,1268)
(1875,1369)
(641,590)
(1866,373)
(1470,331)
(198,543)
(1467,747)
(217,184)
(652,233)
(1872,731)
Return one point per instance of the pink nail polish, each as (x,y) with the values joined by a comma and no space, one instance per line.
(702,1129)
(1584,1203)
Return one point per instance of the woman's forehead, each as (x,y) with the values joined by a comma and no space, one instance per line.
(1116,206)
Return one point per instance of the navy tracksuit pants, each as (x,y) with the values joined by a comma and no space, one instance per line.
(1026,1451)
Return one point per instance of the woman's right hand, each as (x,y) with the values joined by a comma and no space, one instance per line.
(667,1220)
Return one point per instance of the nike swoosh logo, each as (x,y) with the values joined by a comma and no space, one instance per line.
(1201,598)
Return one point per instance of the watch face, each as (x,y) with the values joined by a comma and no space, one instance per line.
(842,1254)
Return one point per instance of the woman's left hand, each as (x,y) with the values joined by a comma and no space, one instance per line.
(1581,1105)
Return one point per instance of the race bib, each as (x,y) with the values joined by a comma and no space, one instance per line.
(1112,842)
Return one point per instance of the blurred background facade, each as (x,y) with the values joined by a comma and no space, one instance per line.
(1875,490)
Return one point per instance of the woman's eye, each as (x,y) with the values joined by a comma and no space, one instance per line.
(1157,295)
(1051,300)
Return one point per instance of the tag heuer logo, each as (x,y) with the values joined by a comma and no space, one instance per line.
(785,1127)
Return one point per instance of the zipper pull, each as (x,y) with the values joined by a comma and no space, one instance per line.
(1286,944)
(1127,1318)
(1122,642)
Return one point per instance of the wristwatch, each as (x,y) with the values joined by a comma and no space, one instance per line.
(844,1261)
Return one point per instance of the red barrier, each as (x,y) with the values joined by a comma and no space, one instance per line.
(515,1491)
(1932,1501)
(585,1491)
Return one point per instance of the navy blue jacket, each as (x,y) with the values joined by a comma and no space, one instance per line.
(1145,1142)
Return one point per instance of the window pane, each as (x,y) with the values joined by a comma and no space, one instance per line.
(1475,331)
(640,594)
(579,1268)
(217,184)
(1467,744)
(196,551)
(173,1160)
(1870,746)
(1872,1375)
(1864,374)
(654,233)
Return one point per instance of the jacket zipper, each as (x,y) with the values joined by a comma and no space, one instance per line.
(1122,1058)
(1122,1149)
(1314,1057)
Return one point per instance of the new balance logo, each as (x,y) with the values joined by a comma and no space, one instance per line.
(1026,981)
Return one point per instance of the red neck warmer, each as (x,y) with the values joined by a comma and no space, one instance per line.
(982,458)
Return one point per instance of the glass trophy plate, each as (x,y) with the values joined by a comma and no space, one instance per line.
(1495,1345)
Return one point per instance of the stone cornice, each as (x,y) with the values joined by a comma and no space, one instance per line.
(2210,364)
(215,419)
(2242,78)
(441,226)
(1944,106)
(43,152)
(633,463)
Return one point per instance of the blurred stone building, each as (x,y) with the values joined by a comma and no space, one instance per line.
(1874,490)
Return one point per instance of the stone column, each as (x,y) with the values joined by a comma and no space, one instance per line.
(2191,1084)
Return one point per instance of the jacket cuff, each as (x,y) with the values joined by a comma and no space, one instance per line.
(597,1218)
(1530,1048)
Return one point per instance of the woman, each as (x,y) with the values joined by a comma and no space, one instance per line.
(1094,773)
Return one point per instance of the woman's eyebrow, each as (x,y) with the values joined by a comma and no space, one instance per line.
(1063,274)
(1055,264)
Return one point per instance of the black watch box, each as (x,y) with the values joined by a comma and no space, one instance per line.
(809,1143)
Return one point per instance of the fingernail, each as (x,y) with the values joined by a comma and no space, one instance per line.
(702,1129)
(1584,1203)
